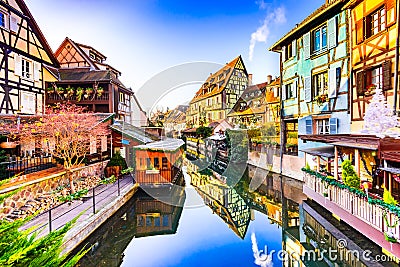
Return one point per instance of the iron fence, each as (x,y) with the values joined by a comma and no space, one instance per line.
(96,199)
(25,166)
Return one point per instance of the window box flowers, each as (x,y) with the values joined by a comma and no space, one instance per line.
(321,99)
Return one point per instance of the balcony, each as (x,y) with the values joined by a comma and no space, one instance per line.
(53,97)
(352,206)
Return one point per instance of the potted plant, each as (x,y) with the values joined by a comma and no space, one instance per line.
(59,90)
(100,91)
(115,165)
(79,93)
(50,89)
(69,90)
(321,99)
(88,92)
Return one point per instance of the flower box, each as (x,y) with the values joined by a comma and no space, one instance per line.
(152,171)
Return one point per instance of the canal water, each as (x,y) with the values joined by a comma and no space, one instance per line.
(213,222)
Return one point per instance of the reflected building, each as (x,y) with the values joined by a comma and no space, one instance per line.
(141,216)
(224,201)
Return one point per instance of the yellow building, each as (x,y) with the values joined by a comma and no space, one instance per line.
(373,41)
(217,96)
(23,53)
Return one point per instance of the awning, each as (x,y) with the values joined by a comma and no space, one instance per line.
(217,137)
(324,151)
(391,170)
(357,145)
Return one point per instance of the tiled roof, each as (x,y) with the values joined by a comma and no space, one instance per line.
(302,27)
(87,75)
(212,81)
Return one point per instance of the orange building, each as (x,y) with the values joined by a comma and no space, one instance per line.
(159,162)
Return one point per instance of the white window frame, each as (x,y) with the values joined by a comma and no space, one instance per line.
(321,47)
(26,73)
(323,126)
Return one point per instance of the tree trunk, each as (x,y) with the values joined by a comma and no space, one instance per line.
(69,176)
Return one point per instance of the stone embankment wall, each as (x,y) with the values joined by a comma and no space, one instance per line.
(41,187)
(291,165)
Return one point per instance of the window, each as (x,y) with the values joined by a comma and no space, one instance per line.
(156,163)
(289,51)
(375,77)
(26,69)
(319,39)
(3,19)
(164,163)
(375,22)
(322,126)
(148,163)
(320,84)
(289,88)
(121,97)
(378,76)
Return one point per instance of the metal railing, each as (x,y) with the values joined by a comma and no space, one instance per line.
(55,97)
(96,199)
(358,206)
(25,166)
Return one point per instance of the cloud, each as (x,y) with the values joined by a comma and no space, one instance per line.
(261,4)
(275,17)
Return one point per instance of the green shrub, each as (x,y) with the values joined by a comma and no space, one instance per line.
(117,160)
(388,198)
(350,177)
(307,167)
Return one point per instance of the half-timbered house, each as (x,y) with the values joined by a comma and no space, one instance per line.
(373,42)
(85,79)
(315,74)
(23,52)
(257,105)
(217,96)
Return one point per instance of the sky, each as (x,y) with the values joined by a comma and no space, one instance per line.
(142,38)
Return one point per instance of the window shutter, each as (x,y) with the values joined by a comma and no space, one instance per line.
(306,44)
(360,31)
(332,33)
(307,89)
(387,74)
(294,88)
(294,48)
(284,54)
(332,83)
(276,91)
(360,82)
(309,128)
(17,65)
(283,92)
(36,71)
(333,125)
(13,23)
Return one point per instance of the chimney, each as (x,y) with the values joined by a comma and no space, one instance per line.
(269,79)
(250,79)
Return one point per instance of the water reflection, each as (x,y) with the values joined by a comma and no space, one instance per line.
(141,216)
(148,231)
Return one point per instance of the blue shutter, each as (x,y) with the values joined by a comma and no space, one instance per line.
(333,125)
(309,128)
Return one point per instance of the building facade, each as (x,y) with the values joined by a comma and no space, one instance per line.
(315,65)
(23,51)
(373,42)
(85,79)
(217,96)
(257,106)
